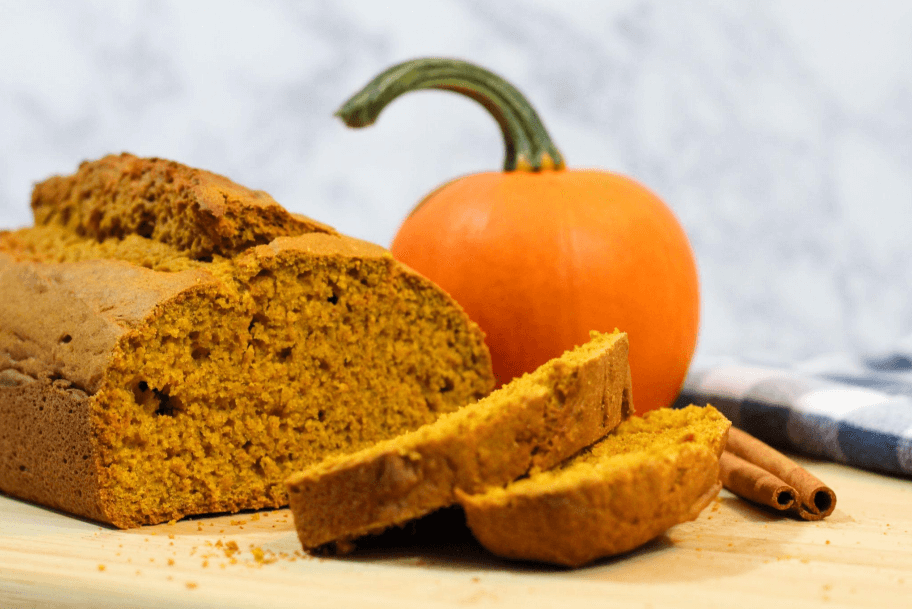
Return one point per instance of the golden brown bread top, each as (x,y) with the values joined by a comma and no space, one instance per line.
(197,211)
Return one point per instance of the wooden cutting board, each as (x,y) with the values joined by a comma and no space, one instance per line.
(734,554)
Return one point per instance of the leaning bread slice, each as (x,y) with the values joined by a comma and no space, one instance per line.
(530,424)
(649,474)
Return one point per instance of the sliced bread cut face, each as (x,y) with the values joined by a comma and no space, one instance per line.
(140,383)
(530,424)
(649,474)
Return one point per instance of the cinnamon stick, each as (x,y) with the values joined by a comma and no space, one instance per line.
(814,500)
(754,483)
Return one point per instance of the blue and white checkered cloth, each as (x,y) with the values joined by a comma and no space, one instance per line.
(857,412)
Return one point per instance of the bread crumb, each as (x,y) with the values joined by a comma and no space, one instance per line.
(231,548)
(263,557)
(191,585)
(101,567)
(170,562)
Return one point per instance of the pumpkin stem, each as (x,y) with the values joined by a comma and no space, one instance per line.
(528,145)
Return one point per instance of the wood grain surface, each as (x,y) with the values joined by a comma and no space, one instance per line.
(735,554)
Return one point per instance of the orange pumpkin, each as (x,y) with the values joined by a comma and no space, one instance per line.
(538,255)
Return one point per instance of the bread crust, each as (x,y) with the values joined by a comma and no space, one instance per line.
(195,210)
(46,449)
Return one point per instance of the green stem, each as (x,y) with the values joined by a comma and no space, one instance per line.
(528,145)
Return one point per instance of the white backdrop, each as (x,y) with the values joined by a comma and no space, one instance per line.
(779,132)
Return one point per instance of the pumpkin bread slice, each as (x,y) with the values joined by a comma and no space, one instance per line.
(649,474)
(530,424)
(172,343)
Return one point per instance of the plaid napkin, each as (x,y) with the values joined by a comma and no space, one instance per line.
(854,411)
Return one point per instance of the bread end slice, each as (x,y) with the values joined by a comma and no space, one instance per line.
(649,474)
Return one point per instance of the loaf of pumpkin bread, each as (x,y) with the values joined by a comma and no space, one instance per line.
(172,343)
(646,476)
(531,424)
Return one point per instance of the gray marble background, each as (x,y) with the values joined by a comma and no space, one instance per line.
(779,132)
